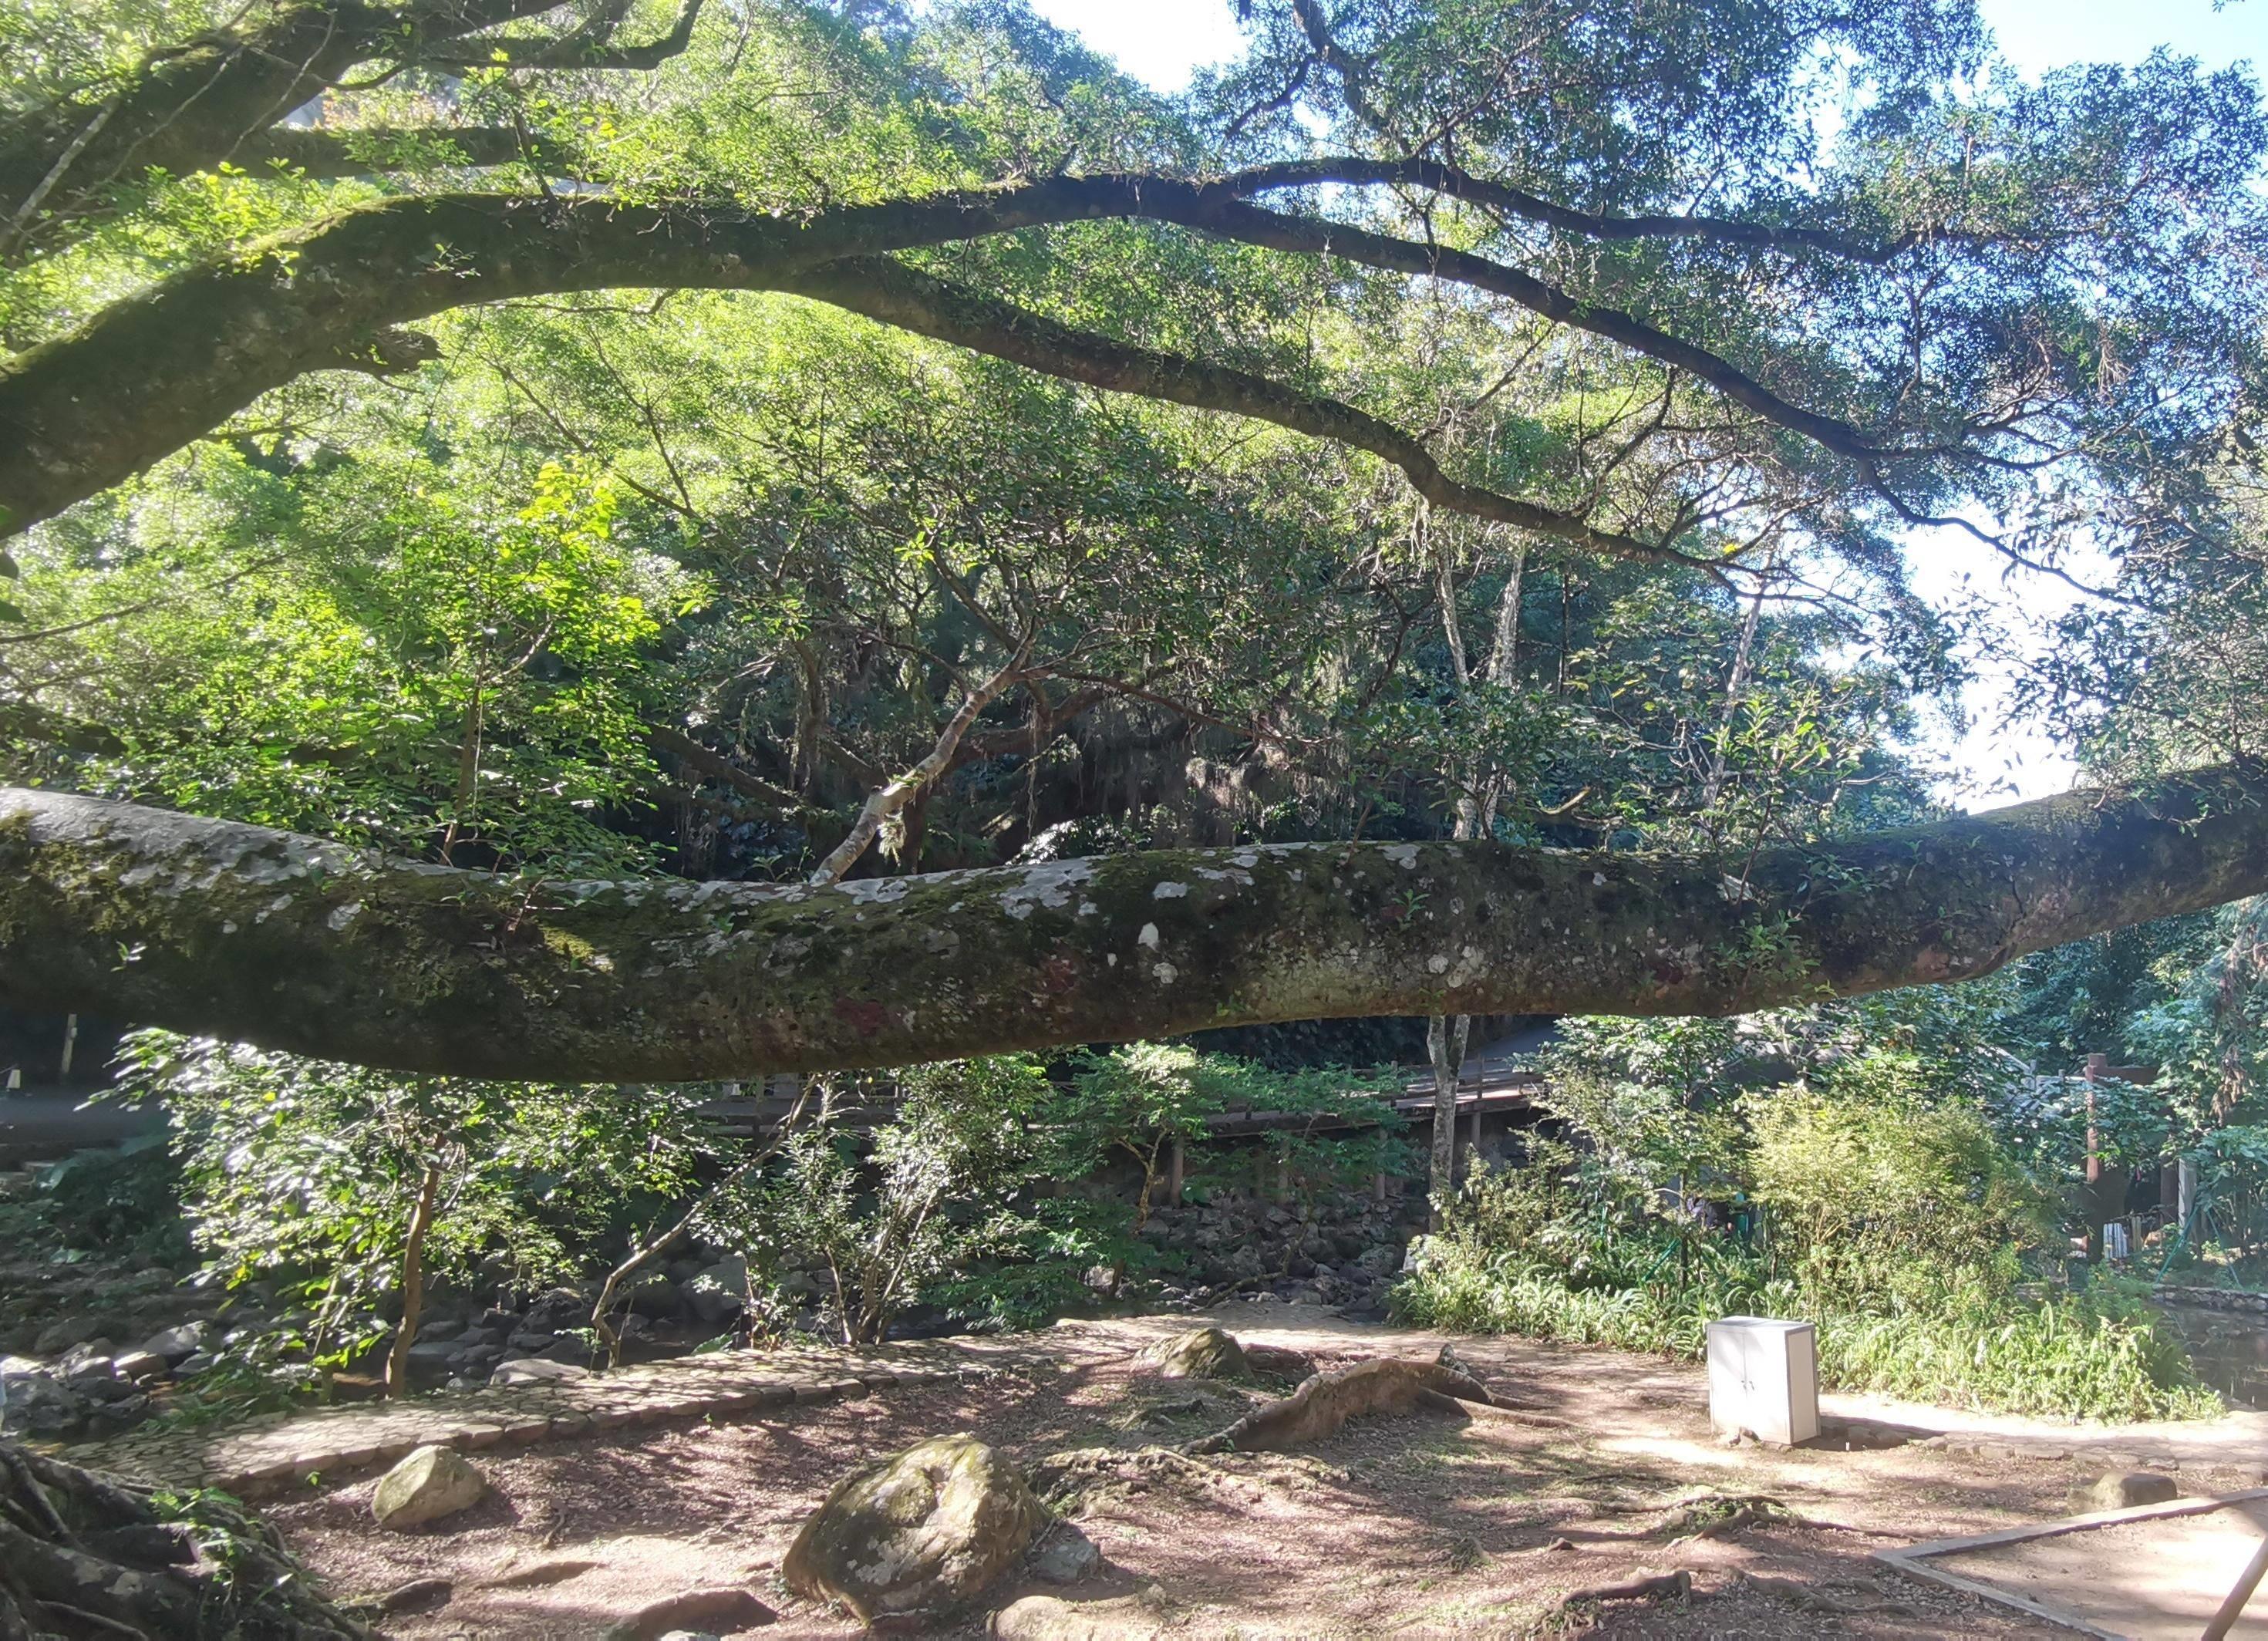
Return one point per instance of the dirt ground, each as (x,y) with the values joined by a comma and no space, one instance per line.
(1433,1525)
(2168,1573)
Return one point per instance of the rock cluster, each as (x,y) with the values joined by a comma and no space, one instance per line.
(92,1387)
(1342,1253)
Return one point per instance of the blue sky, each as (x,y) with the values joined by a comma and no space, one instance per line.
(1161,40)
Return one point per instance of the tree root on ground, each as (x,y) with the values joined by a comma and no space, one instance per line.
(1806,1598)
(1644,1586)
(87,1555)
(1325,1402)
(1720,1515)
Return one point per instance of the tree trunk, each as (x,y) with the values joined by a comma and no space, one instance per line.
(240,931)
(891,798)
(413,1282)
(1445,1038)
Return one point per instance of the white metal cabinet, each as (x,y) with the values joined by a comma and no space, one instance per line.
(1763,1378)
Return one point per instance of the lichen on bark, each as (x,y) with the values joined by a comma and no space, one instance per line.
(214,927)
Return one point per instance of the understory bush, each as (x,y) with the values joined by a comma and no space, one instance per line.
(1866,1187)
(2097,1354)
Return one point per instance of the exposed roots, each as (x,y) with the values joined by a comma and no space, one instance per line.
(1320,1407)
(86,1556)
(1645,1586)
(1720,1515)
(1805,1599)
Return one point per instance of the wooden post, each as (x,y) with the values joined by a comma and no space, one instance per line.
(2095,1062)
(2232,1607)
(1379,1188)
(1174,1172)
(70,1042)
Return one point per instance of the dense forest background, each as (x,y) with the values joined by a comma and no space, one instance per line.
(757,586)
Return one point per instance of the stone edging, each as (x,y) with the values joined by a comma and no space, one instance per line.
(2212,1298)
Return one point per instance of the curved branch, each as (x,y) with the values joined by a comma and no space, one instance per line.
(189,107)
(899,296)
(210,926)
(1438,178)
(889,799)
(328,152)
(149,373)
(587,48)
(1249,225)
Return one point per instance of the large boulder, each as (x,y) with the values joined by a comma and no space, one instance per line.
(1200,1353)
(923,1530)
(2127,1490)
(720,1293)
(431,1483)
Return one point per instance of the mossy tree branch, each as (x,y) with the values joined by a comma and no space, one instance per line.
(153,372)
(214,927)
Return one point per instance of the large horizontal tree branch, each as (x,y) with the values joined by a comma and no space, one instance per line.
(210,926)
(899,296)
(153,372)
(149,374)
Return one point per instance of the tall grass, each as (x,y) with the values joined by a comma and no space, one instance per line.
(2096,1354)
(1960,1340)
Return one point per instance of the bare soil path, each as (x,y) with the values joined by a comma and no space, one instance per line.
(1428,1526)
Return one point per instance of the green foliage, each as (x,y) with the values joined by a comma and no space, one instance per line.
(1860,1167)
(303,1173)
(944,1186)
(126,1198)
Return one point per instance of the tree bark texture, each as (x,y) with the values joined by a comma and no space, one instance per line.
(237,930)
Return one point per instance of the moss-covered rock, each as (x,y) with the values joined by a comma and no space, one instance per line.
(923,1530)
(1200,1353)
(430,1483)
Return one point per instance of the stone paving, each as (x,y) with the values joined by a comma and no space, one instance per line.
(263,1454)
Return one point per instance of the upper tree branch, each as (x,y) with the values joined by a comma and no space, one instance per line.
(1438,178)
(189,107)
(213,927)
(899,296)
(1252,225)
(590,48)
(149,374)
